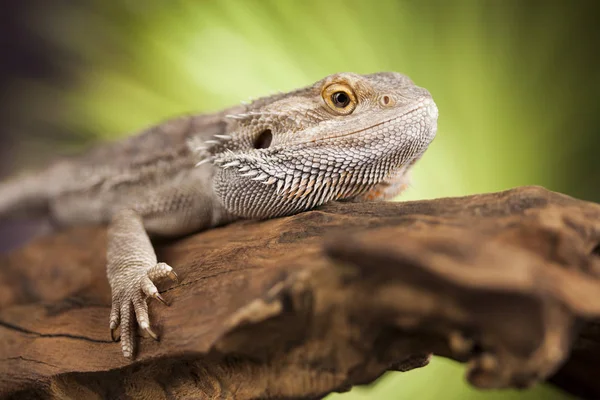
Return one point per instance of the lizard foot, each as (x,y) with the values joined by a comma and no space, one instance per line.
(129,303)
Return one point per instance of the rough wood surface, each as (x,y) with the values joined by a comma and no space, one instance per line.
(301,306)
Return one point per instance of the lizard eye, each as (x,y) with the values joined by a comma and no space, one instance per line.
(340,98)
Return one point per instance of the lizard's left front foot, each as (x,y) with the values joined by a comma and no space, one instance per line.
(129,294)
(131,269)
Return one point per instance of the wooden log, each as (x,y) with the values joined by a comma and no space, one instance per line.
(301,306)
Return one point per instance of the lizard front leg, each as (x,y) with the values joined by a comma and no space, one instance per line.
(132,267)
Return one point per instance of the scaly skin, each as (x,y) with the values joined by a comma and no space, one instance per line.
(347,137)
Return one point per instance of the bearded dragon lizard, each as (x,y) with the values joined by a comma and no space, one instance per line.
(346,137)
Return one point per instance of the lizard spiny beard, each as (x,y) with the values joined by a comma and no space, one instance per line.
(283,180)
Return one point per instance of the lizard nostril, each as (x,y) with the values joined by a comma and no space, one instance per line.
(263,141)
(387,101)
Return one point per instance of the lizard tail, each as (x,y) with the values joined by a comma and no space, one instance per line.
(24,197)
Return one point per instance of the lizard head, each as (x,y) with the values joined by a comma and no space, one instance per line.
(347,136)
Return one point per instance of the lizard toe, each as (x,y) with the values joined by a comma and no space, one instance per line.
(141,312)
(148,287)
(127,329)
(150,290)
(114,320)
(162,270)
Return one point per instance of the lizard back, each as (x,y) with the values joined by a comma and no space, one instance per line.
(90,187)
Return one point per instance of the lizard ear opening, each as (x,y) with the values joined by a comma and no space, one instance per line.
(263,141)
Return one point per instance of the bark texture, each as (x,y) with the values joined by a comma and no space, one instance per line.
(301,306)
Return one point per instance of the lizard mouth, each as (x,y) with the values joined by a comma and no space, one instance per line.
(346,134)
(426,107)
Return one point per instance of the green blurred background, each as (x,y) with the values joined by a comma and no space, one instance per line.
(516,83)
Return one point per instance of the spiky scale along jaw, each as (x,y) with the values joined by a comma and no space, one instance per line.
(323,145)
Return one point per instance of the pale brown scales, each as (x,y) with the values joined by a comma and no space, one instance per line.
(346,137)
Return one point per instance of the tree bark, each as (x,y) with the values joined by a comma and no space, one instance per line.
(301,306)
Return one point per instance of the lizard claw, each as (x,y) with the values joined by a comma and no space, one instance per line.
(151,333)
(113,335)
(173,276)
(158,297)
